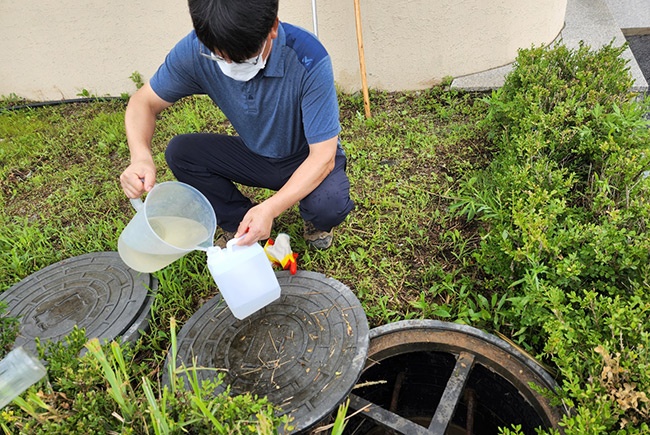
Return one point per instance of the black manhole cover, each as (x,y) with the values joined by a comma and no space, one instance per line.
(95,291)
(304,351)
(439,378)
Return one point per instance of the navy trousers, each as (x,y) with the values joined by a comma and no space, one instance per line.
(213,163)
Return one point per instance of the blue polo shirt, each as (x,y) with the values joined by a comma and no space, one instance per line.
(291,103)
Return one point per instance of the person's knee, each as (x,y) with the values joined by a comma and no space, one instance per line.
(330,213)
(175,150)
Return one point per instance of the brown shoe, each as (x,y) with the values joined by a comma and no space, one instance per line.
(317,238)
(225,237)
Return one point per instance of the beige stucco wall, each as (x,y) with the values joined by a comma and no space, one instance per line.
(53,49)
(412,44)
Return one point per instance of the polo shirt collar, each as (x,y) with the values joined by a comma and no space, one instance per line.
(275,63)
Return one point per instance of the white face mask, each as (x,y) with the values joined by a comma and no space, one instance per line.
(243,71)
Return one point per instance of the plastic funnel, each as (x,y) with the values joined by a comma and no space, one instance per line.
(18,371)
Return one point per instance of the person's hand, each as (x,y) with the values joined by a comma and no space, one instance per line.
(138,177)
(255,226)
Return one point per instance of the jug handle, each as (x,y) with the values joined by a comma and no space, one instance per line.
(232,243)
(137,204)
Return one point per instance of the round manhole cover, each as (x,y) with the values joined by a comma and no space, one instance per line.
(304,351)
(95,291)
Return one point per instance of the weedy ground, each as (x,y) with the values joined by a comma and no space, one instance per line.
(523,212)
(61,195)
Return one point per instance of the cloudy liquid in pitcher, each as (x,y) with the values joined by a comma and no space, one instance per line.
(182,233)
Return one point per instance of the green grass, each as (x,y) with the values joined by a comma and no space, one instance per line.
(61,195)
(60,198)
(520,218)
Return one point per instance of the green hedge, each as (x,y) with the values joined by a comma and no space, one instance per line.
(565,210)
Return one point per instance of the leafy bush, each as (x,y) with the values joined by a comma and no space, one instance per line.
(565,210)
(107,391)
(71,399)
(576,103)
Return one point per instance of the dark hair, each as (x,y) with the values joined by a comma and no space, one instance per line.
(234,28)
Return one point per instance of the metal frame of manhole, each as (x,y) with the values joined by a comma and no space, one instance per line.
(472,350)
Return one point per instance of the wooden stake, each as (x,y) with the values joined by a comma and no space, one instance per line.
(362,59)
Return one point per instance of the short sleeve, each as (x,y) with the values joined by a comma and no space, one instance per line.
(176,77)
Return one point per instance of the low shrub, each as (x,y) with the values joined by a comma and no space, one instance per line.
(564,208)
(108,391)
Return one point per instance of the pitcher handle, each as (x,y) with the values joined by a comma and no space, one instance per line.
(137,204)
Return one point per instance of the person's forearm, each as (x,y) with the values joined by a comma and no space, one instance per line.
(306,178)
(140,121)
(140,124)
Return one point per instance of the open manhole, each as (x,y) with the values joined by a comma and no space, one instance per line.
(433,377)
(305,351)
(95,291)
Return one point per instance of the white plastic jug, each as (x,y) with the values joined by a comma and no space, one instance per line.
(244,276)
(173,220)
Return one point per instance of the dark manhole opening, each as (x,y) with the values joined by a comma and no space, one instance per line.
(407,385)
(431,377)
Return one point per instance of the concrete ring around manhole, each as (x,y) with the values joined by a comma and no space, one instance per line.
(305,351)
(434,377)
(95,291)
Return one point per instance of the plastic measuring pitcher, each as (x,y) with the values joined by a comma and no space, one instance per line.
(173,220)
(244,276)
